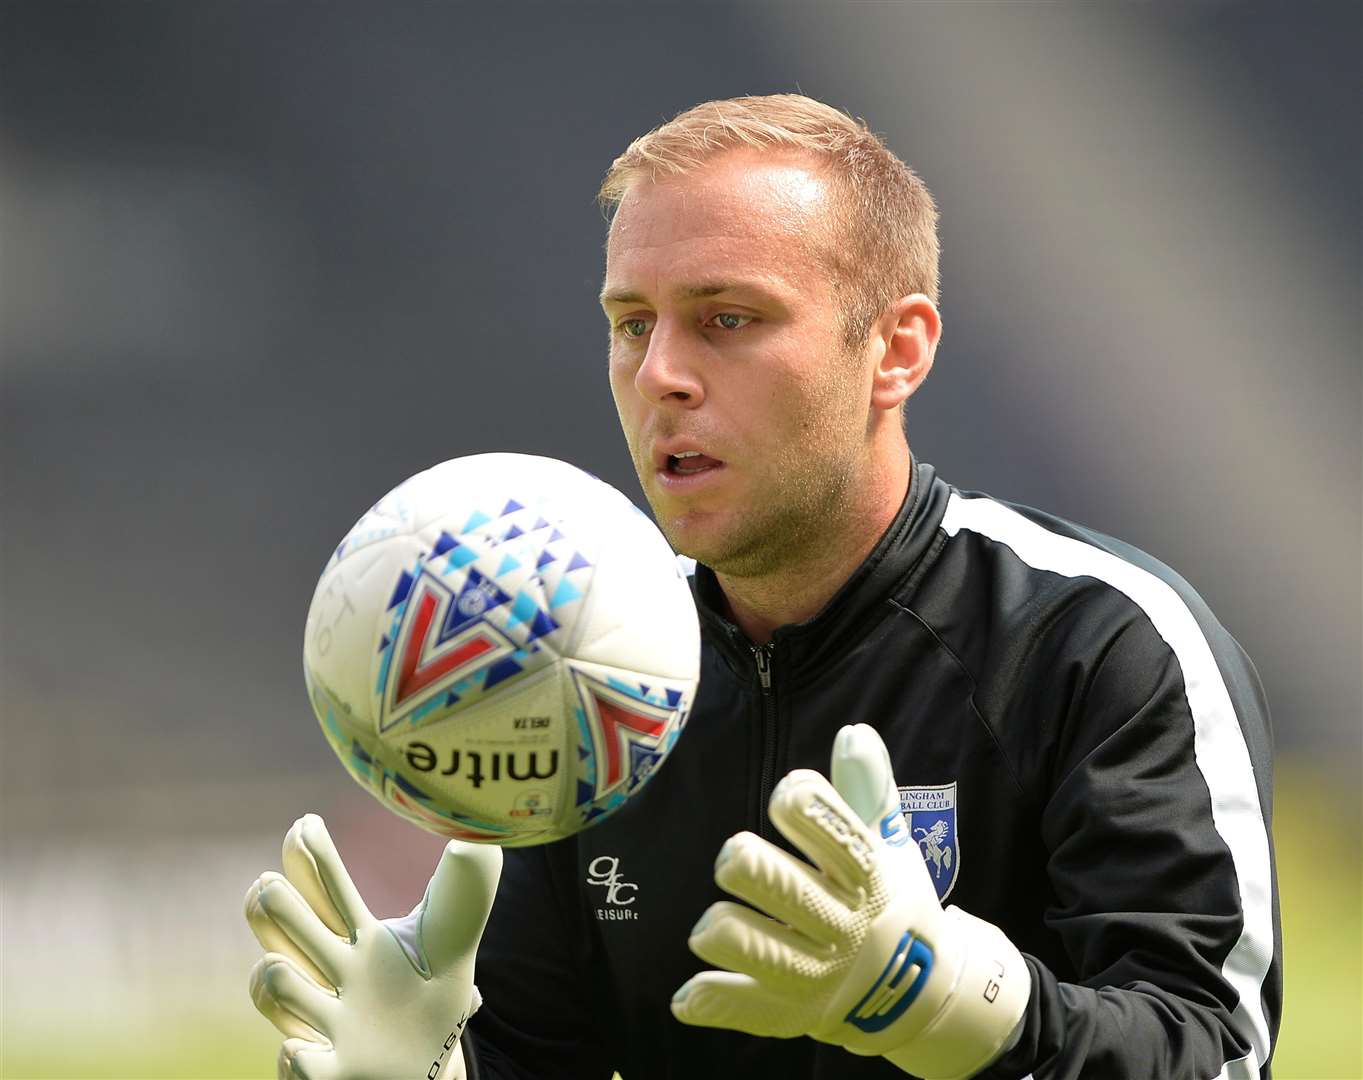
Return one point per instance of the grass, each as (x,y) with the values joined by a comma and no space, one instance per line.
(1320,874)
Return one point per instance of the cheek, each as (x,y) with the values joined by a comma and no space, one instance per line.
(628,405)
(818,412)
(621,382)
(622,368)
(796,399)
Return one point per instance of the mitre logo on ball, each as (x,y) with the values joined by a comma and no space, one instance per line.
(502,649)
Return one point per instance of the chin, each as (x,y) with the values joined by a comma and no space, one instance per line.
(685,541)
(689,537)
(712,537)
(722,552)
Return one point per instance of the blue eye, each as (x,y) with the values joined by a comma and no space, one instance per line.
(728,320)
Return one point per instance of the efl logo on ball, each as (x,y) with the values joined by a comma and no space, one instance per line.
(502,649)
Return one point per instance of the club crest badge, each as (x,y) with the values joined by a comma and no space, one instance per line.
(931,816)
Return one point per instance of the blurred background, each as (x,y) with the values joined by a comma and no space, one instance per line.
(261,261)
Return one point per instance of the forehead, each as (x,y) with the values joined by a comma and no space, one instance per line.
(741,214)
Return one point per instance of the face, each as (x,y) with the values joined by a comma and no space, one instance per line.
(745,414)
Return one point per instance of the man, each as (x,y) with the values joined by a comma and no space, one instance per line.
(1078,754)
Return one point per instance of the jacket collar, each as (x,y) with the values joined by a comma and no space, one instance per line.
(808,646)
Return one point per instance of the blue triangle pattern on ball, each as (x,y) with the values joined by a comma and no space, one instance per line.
(459,558)
(500,672)
(400,591)
(566,593)
(523,610)
(424,710)
(542,625)
(642,762)
(476,519)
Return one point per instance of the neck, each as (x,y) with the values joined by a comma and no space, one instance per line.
(800,589)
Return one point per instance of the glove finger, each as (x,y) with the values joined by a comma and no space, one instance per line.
(283,923)
(290,1000)
(782,886)
(458,900)
(862,774)
(816,819)
(313,865)
(722,999)
(284,1021)
(740,939)
(300,1059)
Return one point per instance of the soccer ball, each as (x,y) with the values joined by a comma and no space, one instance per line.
(503,649)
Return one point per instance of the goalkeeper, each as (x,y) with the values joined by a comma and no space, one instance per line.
(968,790)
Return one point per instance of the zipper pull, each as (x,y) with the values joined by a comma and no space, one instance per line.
(762,654)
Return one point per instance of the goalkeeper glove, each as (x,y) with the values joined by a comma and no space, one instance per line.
(858,951)
(358,998)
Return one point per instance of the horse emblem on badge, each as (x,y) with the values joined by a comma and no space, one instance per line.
(931,816)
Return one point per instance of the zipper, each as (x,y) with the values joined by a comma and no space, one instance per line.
(762,655)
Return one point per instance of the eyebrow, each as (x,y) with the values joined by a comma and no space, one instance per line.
(699,291)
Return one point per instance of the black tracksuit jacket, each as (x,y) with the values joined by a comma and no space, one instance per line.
(1109,746)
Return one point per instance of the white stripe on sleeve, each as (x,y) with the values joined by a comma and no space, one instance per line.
(1218,743)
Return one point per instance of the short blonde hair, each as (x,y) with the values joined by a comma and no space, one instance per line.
(883,242)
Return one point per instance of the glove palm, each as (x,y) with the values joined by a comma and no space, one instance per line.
(857,950)
(357,997)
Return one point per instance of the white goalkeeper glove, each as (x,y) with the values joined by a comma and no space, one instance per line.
(358,998)
(858,951)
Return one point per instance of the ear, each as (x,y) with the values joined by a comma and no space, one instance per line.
(906,337)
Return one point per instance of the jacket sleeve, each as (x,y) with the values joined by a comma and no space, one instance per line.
(1156,824)
(540,1015)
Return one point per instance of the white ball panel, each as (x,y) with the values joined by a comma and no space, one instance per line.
(640,613)
(344,622)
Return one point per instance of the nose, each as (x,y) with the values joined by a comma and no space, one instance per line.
(668,375)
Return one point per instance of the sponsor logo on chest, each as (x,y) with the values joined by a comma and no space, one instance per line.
(618,896)
(930,812)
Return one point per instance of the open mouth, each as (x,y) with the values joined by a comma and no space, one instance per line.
(691,462)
